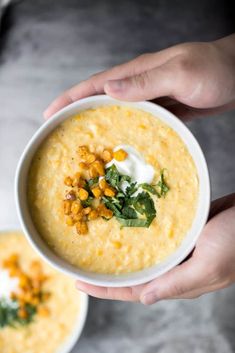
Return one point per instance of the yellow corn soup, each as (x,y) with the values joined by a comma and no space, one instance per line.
(108,248)
(43,334)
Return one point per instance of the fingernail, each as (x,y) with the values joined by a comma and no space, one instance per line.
(149,298)
(114,86)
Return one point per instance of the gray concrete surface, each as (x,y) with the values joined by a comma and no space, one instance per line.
(47,46)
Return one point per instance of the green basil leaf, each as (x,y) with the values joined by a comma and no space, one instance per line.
(112,176)
(150,189)
(125,178)
(131,189)
(92,182)
(144,204)
(87,202)
(113,205)
(129,212)
(164,188)
(139,222)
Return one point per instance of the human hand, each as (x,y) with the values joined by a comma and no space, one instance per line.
(189,79)
(210,267)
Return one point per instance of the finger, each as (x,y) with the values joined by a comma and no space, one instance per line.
(125,294)
(196,293)
(158,82)
(222,204)
(183,279)
(83,89)
(95,84)
(185,112)
(164,101)
(181,110)
(204,289)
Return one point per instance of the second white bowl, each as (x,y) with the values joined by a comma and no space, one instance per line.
(76,332)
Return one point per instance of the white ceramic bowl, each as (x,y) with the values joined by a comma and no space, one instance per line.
(72,339)
(124,279)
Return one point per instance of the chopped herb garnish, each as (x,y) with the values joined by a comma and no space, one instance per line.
(132,210)
(113,177)
(164,188)
(87,202)
(143,203)
(129,212)
(160,189)
(131,189)
(92,182)
(113,204)
(125,178)
(106,192)
(150,189)
(131,206)
(139,222)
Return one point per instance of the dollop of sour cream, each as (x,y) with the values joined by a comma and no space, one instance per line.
(8,285)
(134,165)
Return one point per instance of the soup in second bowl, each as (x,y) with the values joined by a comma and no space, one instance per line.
(39,307)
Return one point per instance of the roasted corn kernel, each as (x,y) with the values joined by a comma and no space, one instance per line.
(68,181)
(96,191)
(76,207)
(76,179)
(109,191)
(70,221)
(93,172)
(86,210)
(90,158)
(81,227)
(107,156)
(83,165)
(78,217)
(93,215)
(83,194)
(82,151)
(104,211)
(103,184)
(99,166)
(67,207)
(120,155)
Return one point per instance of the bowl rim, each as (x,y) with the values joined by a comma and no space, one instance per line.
(129,279)
(72,339)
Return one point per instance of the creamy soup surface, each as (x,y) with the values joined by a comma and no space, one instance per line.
(107,127)
(44,334)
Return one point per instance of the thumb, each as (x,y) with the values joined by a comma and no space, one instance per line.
(185,278)
(158,82)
